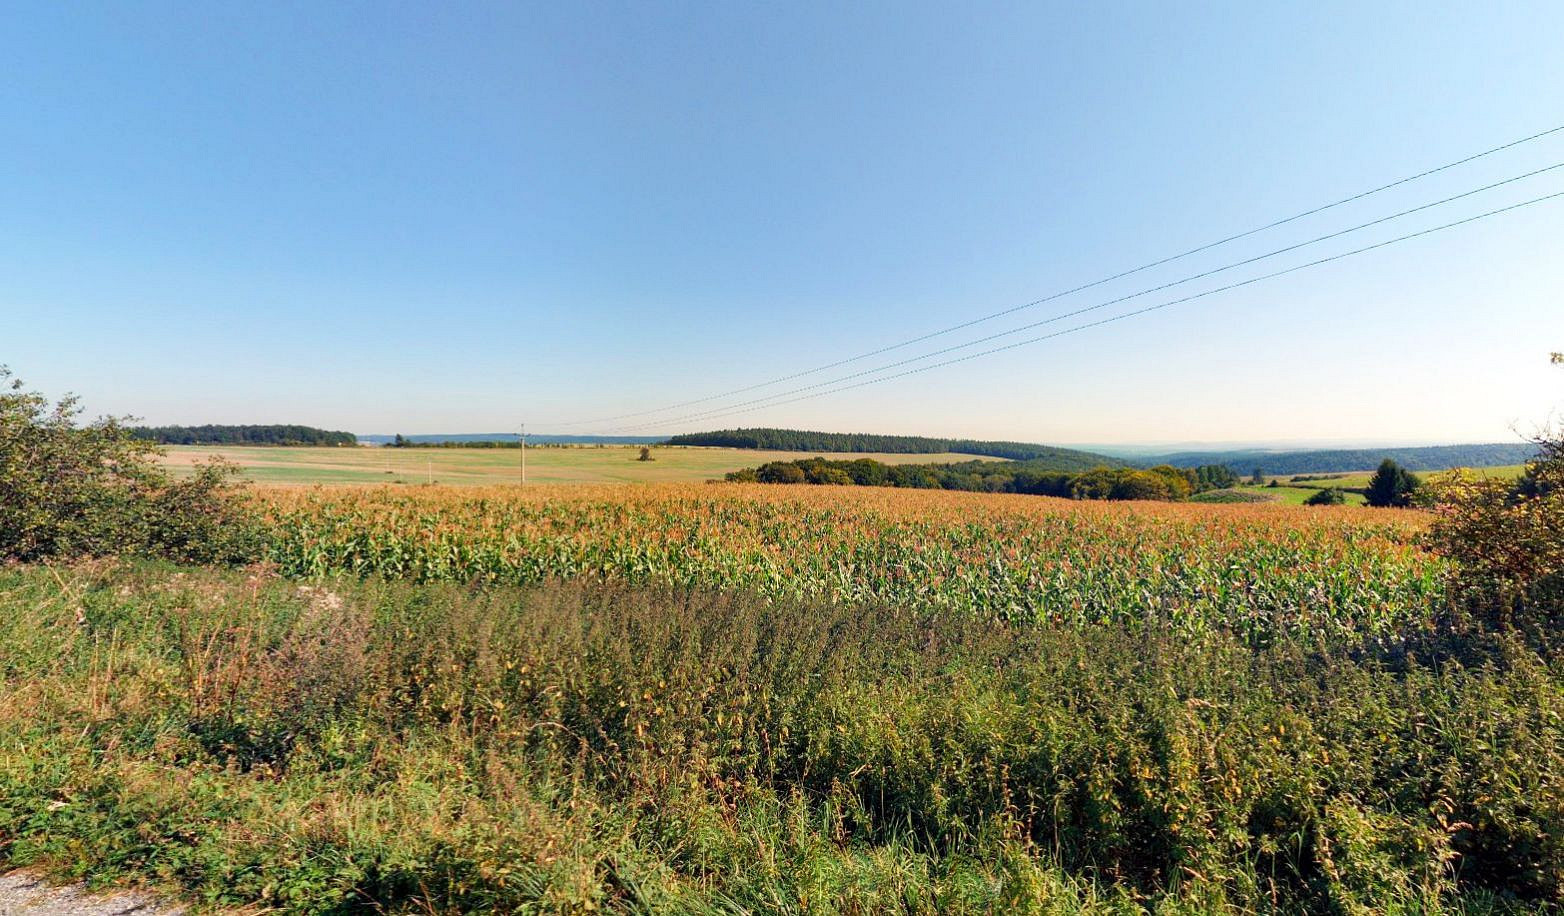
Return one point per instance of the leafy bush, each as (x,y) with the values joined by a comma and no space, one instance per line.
(1506,537)
(73,490)
(1330,496)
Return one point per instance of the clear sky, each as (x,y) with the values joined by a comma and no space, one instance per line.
(456,217)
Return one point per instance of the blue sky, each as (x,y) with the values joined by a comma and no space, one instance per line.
(456,217)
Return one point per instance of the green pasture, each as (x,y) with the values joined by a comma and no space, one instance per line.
(1360,479)
(488,466)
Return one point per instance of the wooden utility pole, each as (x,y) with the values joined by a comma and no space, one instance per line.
(523,454)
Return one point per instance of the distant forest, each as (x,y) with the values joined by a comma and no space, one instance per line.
(1427,458)
(1036,478)
(794,440)
(487,440)
(400,441)
(1240,461)
(276,434)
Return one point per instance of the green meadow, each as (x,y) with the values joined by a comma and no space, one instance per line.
(489,466)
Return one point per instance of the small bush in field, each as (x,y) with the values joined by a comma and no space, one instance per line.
(1330,496)
(1506,537)
(93,490)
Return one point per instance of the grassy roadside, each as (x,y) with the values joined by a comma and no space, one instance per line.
(342,747)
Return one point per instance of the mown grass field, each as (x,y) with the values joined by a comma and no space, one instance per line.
(1360,479)
(1294,492)
(480,466)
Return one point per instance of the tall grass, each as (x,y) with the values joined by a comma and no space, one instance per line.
(352,746)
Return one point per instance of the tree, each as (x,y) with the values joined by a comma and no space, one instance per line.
(1391,485)
(780,472)
(400,441)
(1141,485)
(1257,478)
(866,472)
(646,454)
(1330,496)
(1094,484)
(1214,477)
(1178,483)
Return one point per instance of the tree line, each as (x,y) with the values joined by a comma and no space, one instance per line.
(401,441)
(1327,461)
(1163,482)
(270,434)
(797,440)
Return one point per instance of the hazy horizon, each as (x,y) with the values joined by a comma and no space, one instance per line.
(1127,447)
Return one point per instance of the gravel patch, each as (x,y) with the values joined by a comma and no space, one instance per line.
(23,894)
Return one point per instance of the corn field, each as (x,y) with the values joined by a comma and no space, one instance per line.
(1262,571)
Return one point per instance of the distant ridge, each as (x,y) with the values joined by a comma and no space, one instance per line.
(1310,461)
(798,440)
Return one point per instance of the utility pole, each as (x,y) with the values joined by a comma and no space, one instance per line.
(523,454)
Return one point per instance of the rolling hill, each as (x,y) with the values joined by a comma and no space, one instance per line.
(1315,461)
(796,440)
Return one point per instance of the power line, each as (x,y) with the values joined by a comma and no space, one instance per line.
(1082,288)
(1111,302)
(1121,299)
(1120,317)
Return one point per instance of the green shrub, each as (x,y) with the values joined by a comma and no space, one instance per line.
(1330,496)
(1507,538)
(92,490)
